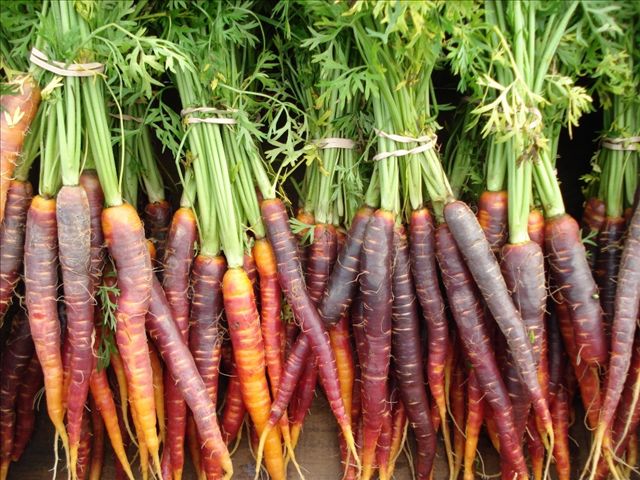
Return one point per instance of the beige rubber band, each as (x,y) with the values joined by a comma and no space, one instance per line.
(428,142)
(72,70)
(187,112)
(629,144)
(335,142)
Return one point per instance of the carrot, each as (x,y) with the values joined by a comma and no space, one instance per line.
(84,450)
(383,447)
(159,378)
(18,111)
(485,271)
(234,409)
(143,450)
(74,246)
(535,448)
(126,440)
(626,308)
(157,221)
(32,382)
(249,265)
(560,415)
(178,258)
(492,217)
(16,357)
(248,351)
(592,219)
(97,448)
(118,369)
(292,283)
(180,363)
(607,263)
(342,283)
(91,184)
(12,232)
(570,270)
(377,301)
(194,447)
(475,414)
(587,376)
(458,412)
(425,274)
(104,403)
(124,236)
(41,279)
(398,434)
(535,227)
(407,355)
(468,314)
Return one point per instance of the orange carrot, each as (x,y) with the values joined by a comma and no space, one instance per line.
(18,111)
(492,216)
(158,390)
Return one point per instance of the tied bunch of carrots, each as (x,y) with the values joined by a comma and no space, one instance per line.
(158,289)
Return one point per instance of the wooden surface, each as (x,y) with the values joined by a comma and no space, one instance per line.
(317,453)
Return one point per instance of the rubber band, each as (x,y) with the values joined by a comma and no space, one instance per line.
(186,113)
(335,142)
(72,70)
(629,144)
(427,142)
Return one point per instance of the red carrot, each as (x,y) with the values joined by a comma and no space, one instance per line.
(74,246)
(180,363)
(572,275)
(458,412)
(18,111)
(234,409)
(177,261)
(12,232)
(16,357)
(41,279)
(84,449)
(407,355)
(535,447)
(535,227)
(560,415)
(97,447)
(492,217)
(468,314)
(607,264)
(32,382)
(383,447)
(194,447)
(425,274)
(398,433)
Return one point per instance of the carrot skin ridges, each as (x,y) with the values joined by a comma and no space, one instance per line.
(16,357)
(180,363)
(377,301)
(234,409)
(303,398)
(492,217)
(486,272)
(407,355)
(468,314)
(607,263)
(627,305)
(425,274)
(248,351)
(157,220)
(341,345)
(178,257)
(74,247)
(18,111)
(206,310)
(535,227)
(475,415)
(31,383)
(458,411)
(342,283)
(592,219)
(12,232)
(383,448)
(41,279)
(91,184)
(570,271)
(292,283)
(85,448)
(124,236)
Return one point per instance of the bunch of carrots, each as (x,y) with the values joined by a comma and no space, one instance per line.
(160,289)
